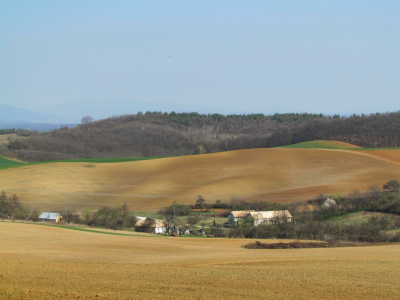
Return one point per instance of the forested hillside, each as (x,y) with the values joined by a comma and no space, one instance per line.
(163,134)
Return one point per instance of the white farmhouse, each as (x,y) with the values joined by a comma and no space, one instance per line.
(269,217)
(150,225)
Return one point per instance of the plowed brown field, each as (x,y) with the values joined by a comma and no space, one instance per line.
(42,262)
(276,175)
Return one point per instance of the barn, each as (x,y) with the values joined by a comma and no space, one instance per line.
(269,217)
(150,225)
(50,217)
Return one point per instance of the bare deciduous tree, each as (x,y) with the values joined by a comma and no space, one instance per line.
(86,120)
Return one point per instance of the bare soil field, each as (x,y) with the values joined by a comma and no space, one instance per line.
(48,262)
(275,175)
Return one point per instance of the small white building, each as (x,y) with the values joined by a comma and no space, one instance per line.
(50,217)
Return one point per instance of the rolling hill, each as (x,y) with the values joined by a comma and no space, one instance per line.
(274,174)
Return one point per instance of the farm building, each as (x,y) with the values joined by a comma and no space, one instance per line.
(50,217)
(150,225)
(269,217)
(235,217)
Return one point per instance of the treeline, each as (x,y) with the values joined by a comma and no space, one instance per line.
(375,130)
(237,204)
(118,217)
(173,134)
(22,132)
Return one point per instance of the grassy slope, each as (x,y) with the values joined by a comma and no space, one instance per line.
(322,144)
(8,163)
(40,262)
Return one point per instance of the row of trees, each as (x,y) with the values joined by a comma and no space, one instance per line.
(372,230)
(118,217)
(163,134)
(237,204)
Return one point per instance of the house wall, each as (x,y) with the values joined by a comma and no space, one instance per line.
(272,221)
(159,230)
(48,220)
(150,229)
(232,220)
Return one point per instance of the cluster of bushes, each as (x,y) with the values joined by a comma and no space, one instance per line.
(292,245)
(11,207)
(176,209)
(386,200)
(115,218)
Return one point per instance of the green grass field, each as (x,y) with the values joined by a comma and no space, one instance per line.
(7,163)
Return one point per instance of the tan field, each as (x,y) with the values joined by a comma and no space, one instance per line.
(275,174)
(46,262)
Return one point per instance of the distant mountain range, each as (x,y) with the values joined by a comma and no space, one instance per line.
(22,115)
(21,118)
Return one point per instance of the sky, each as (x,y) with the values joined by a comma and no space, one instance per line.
(251,56)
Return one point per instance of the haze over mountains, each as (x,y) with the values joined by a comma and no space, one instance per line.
(72,112)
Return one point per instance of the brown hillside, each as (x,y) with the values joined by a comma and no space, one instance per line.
(275,174)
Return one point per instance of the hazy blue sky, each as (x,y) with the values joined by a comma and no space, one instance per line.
(260,56)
